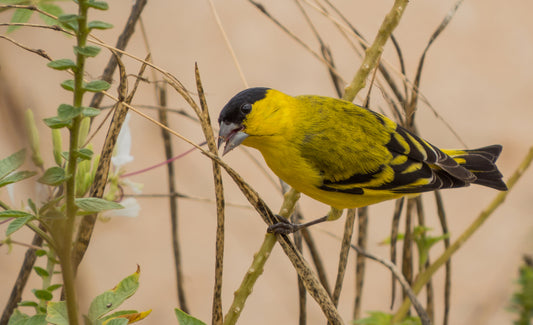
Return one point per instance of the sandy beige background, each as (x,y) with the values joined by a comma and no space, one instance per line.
(478,76)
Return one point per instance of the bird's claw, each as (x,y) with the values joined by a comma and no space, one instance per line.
(283,226)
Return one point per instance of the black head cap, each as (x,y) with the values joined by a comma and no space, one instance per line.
(236,109)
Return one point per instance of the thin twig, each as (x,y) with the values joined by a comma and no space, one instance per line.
(395,230)
(373,53)
(205,120)
(401,279)
(296,38)
(448,270)
(228,43)
(121,44)
(362,234)
(326,52)
(343,255)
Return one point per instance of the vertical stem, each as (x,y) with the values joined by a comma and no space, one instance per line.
(65,246)
(373,53)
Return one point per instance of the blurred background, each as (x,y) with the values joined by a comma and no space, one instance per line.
(478,76)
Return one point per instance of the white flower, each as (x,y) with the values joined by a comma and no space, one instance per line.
(123,146)
(134,186)
(11,192)
(131,209)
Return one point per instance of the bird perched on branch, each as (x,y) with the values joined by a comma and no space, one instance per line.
(345,155)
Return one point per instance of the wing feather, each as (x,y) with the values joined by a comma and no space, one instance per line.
(378,154)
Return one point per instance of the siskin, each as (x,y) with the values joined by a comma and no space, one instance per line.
(345,155)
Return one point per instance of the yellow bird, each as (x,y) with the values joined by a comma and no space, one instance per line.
(345,155)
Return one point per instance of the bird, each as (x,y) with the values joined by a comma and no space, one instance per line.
(345,155)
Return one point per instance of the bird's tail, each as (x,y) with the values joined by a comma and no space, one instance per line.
(482,163)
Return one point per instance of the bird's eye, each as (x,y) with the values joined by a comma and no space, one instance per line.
(246,108)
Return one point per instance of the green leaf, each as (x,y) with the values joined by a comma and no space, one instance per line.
(68,84)
(381,318)
(90,111)
(34,320)
(89,50)
(17,223)
(14,214)
(85,153)
(40,252)
(96,24)
(97,86)
(53,176)
(100,5)
(32,206)
(54,287)
(19,16)
(186,319)
(67,112)
(113,298)
(93,204)
(56,123)
(62,64)
(43,294)
(68,18)
(56,313)
(28,304)
(40,271)
(51,9)
(9,164)
(17,318)
(16,177)
(118,321)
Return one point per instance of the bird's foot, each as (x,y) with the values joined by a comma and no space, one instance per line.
(283,226)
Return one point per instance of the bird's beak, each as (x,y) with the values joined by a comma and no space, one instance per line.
(232,134)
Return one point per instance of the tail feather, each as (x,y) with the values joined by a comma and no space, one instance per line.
(481,162)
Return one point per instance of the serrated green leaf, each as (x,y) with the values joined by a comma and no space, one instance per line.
(67,112)
(54,287)
(16,177)
(97,86)
(186,319)
(85,153)
(40,271)
(56,123)
(100,5)
(56,313)
(96,24)
(19,16)
(89,50)
(53,176)
(27,303)
(93,204)
(9,164)
(90,111)
(113,298)
(62,64)
(51,9)
(68,84)
(43,294)
(17,223)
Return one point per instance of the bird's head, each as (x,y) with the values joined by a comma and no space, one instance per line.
(251,113)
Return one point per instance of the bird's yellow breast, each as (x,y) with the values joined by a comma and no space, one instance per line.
(305,140)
